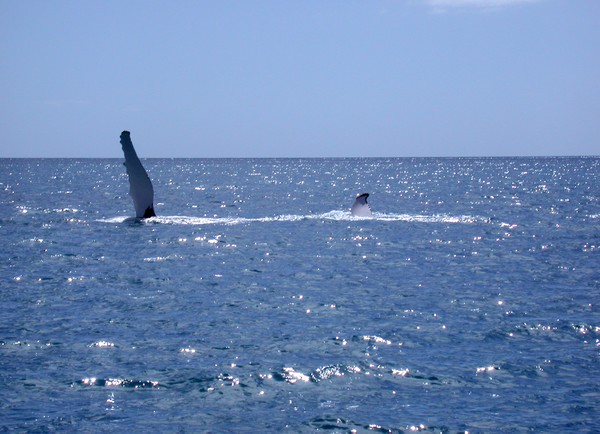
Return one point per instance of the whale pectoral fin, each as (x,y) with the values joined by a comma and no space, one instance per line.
(360,207)
(140,186)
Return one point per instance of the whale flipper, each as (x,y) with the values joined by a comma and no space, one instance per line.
(360,207)
(140,186)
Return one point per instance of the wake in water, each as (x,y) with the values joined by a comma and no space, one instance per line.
(335,215)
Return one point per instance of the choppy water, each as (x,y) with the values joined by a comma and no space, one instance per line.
(256,303)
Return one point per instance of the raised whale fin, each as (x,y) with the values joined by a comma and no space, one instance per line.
(140,186)
(360,207)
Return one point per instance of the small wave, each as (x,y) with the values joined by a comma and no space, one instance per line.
(102,344)
(290,375)
(331,423)
(331,371)
(118,382)
(335,215)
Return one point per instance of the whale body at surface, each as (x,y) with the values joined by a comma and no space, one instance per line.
(360,207)
(140,186)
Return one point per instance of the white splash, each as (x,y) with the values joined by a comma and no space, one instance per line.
(335,215)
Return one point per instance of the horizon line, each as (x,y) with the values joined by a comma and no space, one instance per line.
(304,158)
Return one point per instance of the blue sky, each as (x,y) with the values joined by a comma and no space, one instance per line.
(304,78)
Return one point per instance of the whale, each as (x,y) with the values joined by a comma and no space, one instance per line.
(360,207)
(140,186)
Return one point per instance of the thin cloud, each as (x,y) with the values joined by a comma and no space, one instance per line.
(441,5)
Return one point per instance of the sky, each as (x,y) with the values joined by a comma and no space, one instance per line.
(304,78)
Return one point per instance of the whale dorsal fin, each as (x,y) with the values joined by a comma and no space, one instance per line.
(140,186)
(360,207)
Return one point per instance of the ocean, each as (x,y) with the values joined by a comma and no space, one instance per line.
(254,301)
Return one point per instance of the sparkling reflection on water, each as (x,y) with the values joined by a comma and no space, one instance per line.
(255,302)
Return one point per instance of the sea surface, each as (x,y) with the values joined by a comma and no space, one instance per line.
(254,302)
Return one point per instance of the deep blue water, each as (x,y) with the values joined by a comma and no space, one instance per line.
(255,303)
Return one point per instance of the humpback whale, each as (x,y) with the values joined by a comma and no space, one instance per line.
(360,207)
(140,186)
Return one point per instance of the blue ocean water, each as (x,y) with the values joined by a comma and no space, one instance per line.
(254,302)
